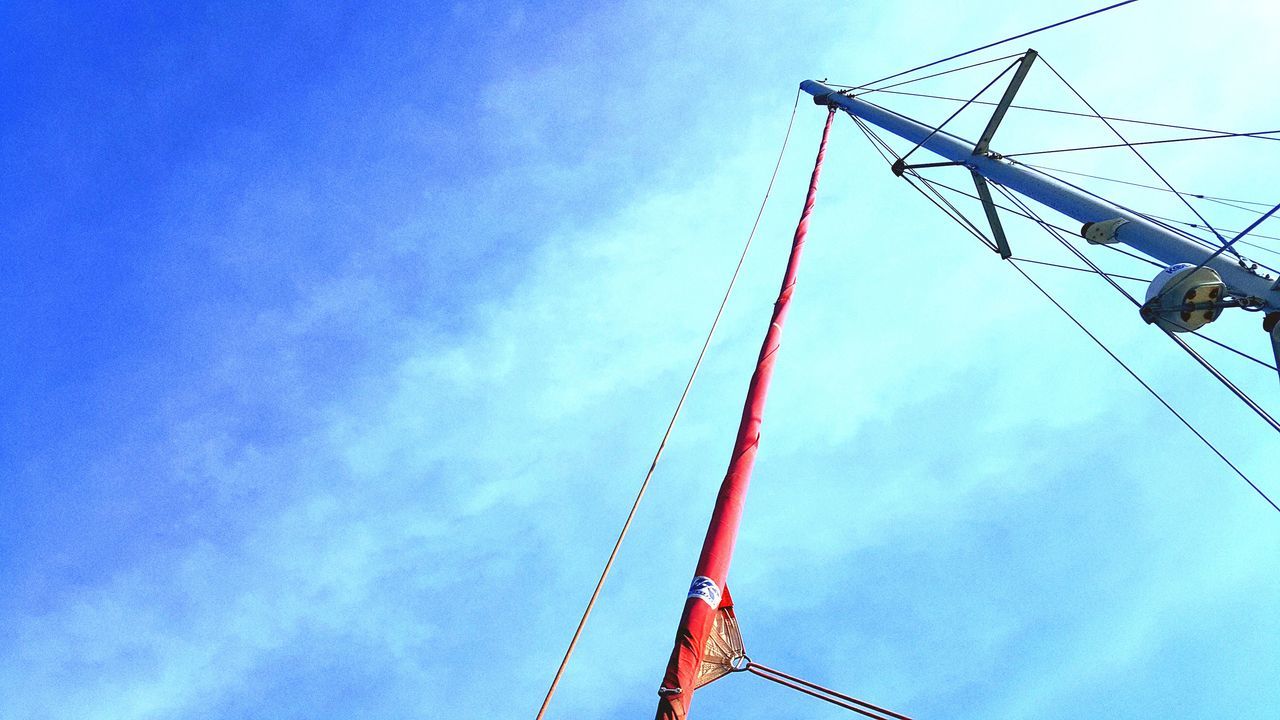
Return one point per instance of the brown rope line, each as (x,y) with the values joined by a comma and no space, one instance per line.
(838,699)
(626,526)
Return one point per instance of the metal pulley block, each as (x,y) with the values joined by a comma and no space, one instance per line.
(1184,297)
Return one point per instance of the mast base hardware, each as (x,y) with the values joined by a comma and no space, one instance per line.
(1102,233)
(669,692)
(1184,298)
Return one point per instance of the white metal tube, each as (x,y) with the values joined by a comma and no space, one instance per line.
(1140,234)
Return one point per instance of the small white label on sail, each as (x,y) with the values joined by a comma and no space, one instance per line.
(706,590)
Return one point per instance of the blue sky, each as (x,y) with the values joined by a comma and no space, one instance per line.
(336,340)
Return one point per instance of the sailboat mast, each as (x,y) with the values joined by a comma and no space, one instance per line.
(705,592)
(1135,231)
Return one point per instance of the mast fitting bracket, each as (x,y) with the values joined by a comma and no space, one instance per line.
(1103,232)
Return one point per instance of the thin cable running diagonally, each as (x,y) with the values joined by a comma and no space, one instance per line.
(812,689)
(1219,136)
(1194,226)
(1078,269)
(964,222)
(850,89)
(1242,242)
(881,147)
(1148,388)
(1214,371)
(931,183)
(684,394)
(960,109)
(1031,214)
(1229,245)
(1053,111)
(955,214)
(1019,213)
(1197,196)
(1189,236)
(1133,300)
(999,42)
(1241,353)
(1110,247)
(1139,155)
(1127,253)
(1162,222)
(959,217)
(968,225)
(1176,230)
(1233,203)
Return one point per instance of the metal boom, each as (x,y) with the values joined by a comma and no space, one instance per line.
(1137,232)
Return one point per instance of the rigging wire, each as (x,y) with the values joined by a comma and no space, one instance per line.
(960,109)
(1128,253)
(1197,333)
(1079,269)
(1181,343)
(1053,111)
(1019,213)
(1148,388)
(1219,136)
(1219,249)
(1149,187)
(1232,204)
(925,77)
(839,699)
(1242,242)
(626,526)
(1228,245)
(1241,353)
(999,42)
(959,217)
(1244,397)
(1113,248)
(1237,233)
(1178,231)
(1217,374)
(1122,139)
(955,214)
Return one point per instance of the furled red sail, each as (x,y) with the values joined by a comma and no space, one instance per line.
(703,604)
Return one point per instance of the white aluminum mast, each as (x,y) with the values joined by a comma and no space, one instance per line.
(1111,222)
(1137,232)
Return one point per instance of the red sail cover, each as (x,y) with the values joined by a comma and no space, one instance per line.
(703,602)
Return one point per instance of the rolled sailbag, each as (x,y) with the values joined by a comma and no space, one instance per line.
(705,604)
